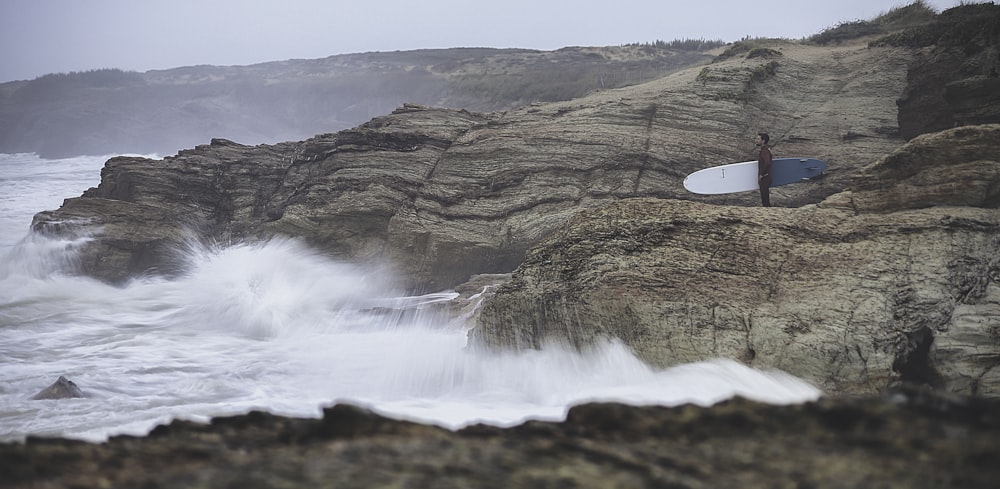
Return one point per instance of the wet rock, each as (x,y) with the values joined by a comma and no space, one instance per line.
(62,388)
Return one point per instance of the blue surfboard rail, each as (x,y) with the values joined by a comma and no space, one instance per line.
(791,170)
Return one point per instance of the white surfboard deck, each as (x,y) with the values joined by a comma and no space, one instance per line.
(742,177)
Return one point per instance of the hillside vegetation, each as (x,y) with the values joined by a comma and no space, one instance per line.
(916,14)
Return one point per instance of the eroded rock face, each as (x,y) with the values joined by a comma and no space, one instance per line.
(831,443)
(445,194)
(956,79)
(894,280)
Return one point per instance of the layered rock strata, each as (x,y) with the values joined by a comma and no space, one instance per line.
(445,194)
(897,279)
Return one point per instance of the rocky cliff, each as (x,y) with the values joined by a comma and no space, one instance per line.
(443,194)
(895,279)
(890,278)
(881,275)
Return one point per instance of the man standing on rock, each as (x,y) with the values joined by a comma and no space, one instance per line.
(764,168)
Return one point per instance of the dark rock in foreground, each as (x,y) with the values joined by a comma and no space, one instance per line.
(911,439)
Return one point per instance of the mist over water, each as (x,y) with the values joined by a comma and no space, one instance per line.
(277,326)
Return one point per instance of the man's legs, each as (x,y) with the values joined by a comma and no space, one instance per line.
(765,191)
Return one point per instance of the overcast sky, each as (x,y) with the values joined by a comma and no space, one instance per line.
(38,37)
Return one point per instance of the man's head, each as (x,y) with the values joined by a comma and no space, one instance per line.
(763,138)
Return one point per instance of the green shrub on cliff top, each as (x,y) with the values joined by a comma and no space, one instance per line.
(697,45)
(846,31)
(965,26)
(915,14)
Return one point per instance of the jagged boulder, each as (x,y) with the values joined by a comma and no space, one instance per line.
(830,443)
(896,280)
(62,388)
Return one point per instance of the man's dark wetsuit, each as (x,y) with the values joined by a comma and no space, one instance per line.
(764,174)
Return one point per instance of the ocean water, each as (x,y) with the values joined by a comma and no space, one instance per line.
(277,326)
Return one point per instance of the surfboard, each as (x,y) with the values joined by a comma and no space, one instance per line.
(742,177)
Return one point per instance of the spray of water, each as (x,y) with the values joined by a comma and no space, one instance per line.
(277,326)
